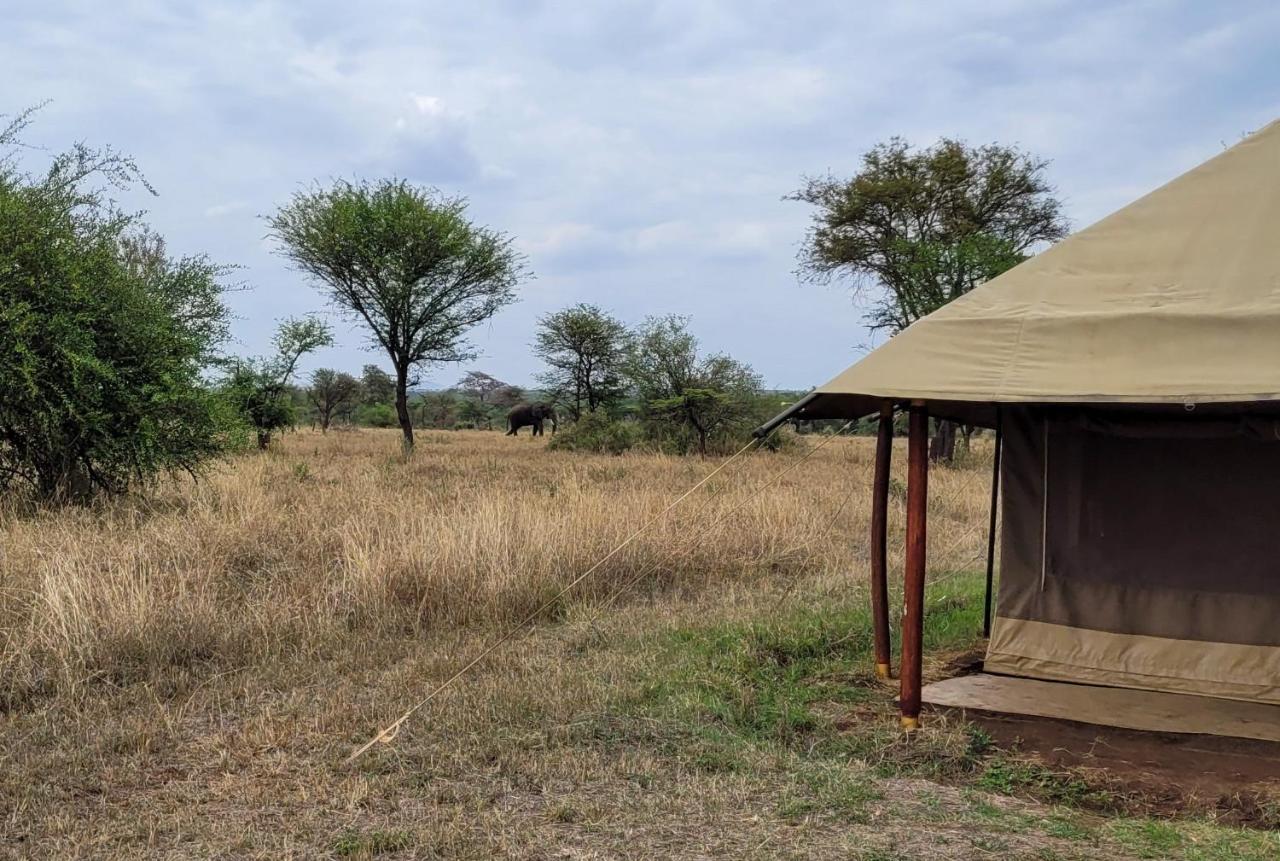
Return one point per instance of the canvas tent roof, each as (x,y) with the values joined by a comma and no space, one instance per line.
(1173,299)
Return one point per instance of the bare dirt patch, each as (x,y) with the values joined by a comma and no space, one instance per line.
(1163,774)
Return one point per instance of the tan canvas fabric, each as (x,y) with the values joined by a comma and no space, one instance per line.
(1173,299)
(1140,553)
(1163,528)
(1063,653)
(1133,709)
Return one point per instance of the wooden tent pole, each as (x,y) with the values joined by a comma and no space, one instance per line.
(879,533)
(913,578)
(991,524)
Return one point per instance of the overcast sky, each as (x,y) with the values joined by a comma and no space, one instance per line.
(638,151)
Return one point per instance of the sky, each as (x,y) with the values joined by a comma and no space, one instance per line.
(638,152)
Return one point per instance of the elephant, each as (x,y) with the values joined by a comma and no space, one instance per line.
(532,415)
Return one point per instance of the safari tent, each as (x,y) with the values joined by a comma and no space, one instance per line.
(1132,375)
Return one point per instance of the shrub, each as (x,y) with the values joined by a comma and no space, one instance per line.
(259,388)
(598,433)
(104,338)
(689,401)
(378,416)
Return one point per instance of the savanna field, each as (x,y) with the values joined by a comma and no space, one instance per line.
(182,674)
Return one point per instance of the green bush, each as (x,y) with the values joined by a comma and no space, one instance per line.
(378,416)
(596,432)
(104,338)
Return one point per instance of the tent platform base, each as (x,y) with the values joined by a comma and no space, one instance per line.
(1148,711)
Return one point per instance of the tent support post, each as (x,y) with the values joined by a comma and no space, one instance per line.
(991,524)
(913,578)
(879,533)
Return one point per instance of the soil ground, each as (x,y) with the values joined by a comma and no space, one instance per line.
(1164,773)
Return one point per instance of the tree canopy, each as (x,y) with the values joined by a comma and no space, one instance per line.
(104,337)
(259,388)
(915,229)
(329,391)
(376,385)
(701,395)
(407,263)
(585,350)
(480,385)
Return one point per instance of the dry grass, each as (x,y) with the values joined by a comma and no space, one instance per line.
(333,536)
(182,676)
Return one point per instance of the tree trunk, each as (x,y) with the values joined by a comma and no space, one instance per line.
(942,448)
(66,482)
(402,408)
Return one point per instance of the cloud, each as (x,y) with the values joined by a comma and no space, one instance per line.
(639,150)
(218,210)
(428,106)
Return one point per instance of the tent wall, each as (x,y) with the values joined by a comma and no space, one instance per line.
(1153,559)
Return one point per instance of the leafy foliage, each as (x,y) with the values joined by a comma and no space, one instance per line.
(596,432)
(507,396)
(259,388)
(585,350)
(480,385)
(684,397)
(438,409)
(407,263)
(103,336)
(329,391)
(473,413)
(376,385)
(378,416)
(921,228)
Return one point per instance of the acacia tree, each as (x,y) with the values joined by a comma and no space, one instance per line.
(407,263)
(585,350)
(259,388)
(507,396)
(376,385)
(915,229)
(104,338)
(705,396)
(480,385)
(328,391)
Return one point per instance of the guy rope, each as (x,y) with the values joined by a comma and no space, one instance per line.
(389,733)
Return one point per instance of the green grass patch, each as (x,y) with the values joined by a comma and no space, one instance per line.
(366,844)
(823,786)
(1019,777)
(761,680)
(794,694)
(1192,840)
(748,693)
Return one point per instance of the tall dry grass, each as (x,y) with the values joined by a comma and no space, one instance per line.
(331,537)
